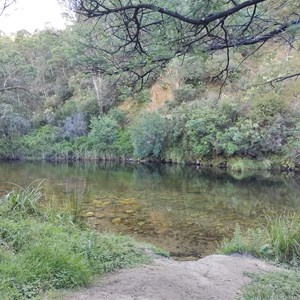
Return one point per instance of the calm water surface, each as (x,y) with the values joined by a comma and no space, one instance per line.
(182,209)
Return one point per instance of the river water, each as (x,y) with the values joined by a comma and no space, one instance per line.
(185,210)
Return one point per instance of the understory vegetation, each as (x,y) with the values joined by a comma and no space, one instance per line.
(43,250)
(278,241)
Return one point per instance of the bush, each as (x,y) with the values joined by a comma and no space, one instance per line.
(12,148)
(75,126)
(186,93)
(118,115)
(149,135)
(266,109)
(12,123)
(291,149)
(103,134)
(257,140)
(205,129)
(41,143)
(123,144)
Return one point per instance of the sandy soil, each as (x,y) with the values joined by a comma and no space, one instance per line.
(213,277)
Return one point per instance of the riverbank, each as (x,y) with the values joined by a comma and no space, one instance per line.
(237,276)
(233,164)
(213,277)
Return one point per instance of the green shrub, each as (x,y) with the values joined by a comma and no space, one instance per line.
(142,96)
(186,93)
(12,148)
(118,115)
(103,134)
(123,144)
(205,128)
(264,110)
(149,135)
(63,112)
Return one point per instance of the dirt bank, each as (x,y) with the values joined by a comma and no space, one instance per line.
(213,277)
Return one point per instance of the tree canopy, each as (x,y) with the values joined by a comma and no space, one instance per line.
(141,37)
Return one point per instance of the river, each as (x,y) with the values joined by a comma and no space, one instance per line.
(183,209)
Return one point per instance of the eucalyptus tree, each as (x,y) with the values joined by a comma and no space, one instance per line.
(84,44)
(142,37)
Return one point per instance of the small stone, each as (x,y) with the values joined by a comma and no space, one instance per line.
(100,216)
(89,214)
(127,201)
(116,221)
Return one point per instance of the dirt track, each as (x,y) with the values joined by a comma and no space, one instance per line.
(213,277)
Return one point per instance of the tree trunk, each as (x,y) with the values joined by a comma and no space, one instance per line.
(100,89)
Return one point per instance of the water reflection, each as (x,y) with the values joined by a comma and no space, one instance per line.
(183,209)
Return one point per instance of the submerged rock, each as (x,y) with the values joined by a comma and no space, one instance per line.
(116,221)
(89,214)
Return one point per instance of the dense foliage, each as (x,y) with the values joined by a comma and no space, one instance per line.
(55,105)
(141,38)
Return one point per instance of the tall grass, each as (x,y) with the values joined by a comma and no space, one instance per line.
(284,233)
(278,240)
(25,199)
(245,164)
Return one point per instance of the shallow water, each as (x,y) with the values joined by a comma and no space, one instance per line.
(185,210)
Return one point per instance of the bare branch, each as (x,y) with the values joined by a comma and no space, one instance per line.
(282,78)
(4,4)
(15,88)
(98,10)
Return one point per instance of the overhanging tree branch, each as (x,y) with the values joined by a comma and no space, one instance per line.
(281,78)
(257,39)
(97,9)
(142,37)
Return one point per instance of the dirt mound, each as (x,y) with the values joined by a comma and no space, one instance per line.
(213,277)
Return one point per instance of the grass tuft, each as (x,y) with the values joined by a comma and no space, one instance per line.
(25,199)
(275,286)
(239,164)
(277,240)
